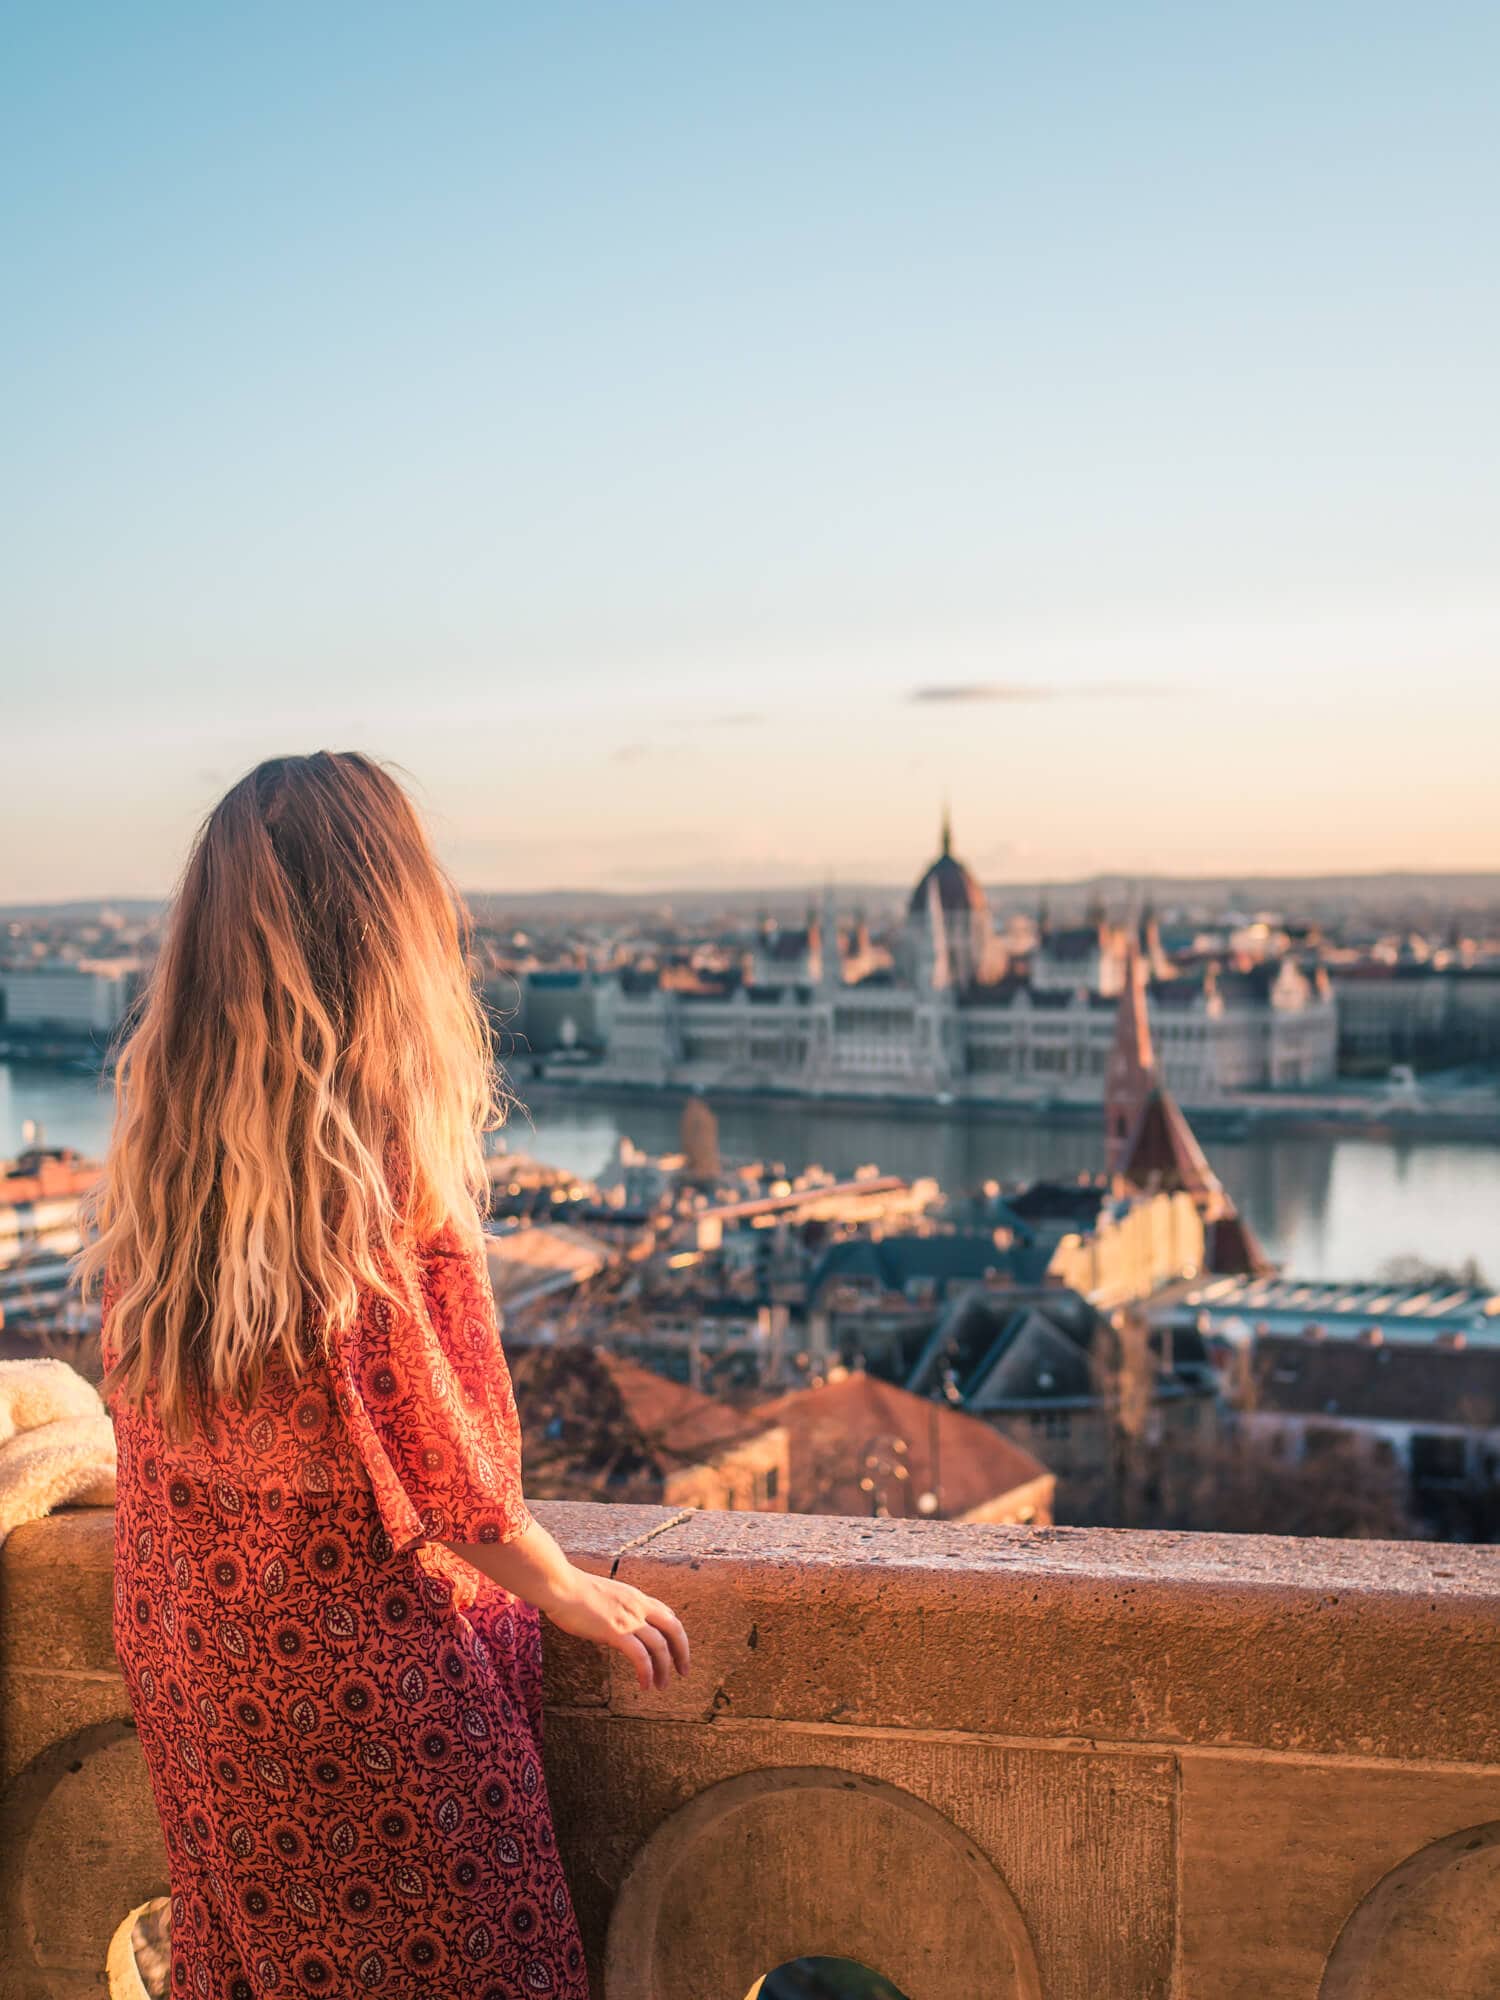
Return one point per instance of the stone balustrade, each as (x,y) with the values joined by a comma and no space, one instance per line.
(1022,1764)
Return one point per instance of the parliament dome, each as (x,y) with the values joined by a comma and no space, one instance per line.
(957,887)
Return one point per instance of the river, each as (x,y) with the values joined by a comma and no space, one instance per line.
(1325,1207)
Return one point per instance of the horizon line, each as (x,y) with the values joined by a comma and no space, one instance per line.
(1135,879)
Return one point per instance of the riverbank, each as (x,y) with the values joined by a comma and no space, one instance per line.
(1347,1114)
(1470,1115)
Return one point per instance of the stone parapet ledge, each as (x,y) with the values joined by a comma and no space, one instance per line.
(1342,1648)
(1055,1764)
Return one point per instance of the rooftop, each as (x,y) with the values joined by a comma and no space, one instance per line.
(965,1464)
(956,887)
(592,1400)
(1423,1313)
(893,1262)
(527,1263)
(1385,1384)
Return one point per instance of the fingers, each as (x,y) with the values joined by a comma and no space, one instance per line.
(641,1657)
(648,1633)
(666,1621)
(656,1647)
(655,1644)
(649,1654)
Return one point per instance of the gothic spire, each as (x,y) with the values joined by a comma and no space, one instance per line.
(1131,1075)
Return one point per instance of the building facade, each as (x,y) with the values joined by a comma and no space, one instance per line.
(1411,1011)
(954,1021)
(86,1000)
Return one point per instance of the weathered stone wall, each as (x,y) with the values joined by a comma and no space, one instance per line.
(1025,1764)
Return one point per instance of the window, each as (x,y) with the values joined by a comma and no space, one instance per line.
(771,1483)
(1435,1456)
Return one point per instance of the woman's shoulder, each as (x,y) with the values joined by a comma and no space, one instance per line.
(428,1276)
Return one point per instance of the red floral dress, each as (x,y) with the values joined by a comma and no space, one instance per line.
(342,1722)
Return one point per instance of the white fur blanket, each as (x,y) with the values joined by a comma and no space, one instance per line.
(57,1445)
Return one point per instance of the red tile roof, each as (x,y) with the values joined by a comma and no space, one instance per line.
(830,1429)
(680,1420)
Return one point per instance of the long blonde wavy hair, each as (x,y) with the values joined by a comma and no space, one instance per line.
(303,1089)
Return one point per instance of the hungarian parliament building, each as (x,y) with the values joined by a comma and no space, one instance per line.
(950,1015)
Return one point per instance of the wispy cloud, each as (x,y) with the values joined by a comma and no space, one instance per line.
(676,738)
(961,691)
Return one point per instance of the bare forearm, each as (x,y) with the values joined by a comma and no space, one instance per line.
(531,1566)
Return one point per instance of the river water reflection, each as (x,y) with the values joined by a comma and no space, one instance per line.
(1325,1207)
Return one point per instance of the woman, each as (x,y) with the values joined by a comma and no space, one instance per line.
(327,1581)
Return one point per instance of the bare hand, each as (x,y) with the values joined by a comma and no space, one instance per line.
(648,1632)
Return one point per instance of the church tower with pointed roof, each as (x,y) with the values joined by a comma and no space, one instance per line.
(1131,1075)
(1150,1145)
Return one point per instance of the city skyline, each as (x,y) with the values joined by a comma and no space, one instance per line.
(693,446)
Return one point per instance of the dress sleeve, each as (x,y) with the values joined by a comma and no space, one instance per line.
(427,1397)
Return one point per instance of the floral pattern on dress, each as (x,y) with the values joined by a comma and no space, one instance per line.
(341,1720)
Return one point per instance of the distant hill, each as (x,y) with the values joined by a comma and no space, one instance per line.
(84,909)
(1390,896)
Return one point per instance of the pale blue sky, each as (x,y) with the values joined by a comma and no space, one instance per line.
(619,414)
